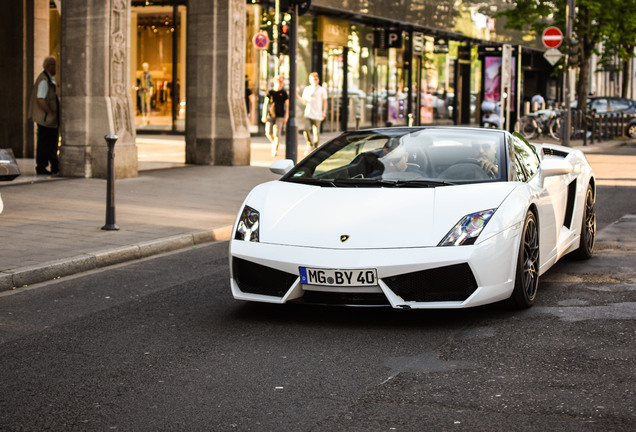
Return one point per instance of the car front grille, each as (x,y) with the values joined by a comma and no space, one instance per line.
(259,279)
(450,283)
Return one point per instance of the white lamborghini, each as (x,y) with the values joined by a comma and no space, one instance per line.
(414,217)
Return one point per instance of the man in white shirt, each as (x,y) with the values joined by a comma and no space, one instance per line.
(315,99)
(44,107)
(537,102)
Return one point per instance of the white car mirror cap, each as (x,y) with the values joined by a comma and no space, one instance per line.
(281,166)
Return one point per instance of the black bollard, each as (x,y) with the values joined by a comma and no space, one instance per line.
(110,185)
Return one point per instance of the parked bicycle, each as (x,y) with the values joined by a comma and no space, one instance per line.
(541,122)
(577,128)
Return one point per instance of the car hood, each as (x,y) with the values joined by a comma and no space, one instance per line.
(302,215)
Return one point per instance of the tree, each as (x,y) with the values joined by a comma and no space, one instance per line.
(620,44)
(595,21)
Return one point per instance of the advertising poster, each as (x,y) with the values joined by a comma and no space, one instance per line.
(492,79)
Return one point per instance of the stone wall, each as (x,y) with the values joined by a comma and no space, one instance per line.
(94,93)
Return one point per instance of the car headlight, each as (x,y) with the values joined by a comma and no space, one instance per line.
(468,229)
(247,228)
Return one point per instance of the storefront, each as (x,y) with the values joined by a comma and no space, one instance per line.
(377,71)
(157,72)
(391,74)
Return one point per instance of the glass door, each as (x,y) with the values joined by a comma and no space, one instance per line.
(158,67)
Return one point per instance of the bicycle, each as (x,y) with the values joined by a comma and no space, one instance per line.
(555,128)
(542,122)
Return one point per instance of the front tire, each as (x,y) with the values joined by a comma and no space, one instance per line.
(588,227)
(527,272)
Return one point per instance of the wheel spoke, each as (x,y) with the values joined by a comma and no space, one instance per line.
(530,258)
(590,220)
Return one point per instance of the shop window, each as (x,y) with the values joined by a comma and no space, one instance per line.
(157,68)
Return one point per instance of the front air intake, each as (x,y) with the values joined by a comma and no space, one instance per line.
(451,283)
(259,279)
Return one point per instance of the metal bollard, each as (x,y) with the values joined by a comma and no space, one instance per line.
(110,185)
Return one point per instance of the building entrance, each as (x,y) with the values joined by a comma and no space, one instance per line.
(158,67)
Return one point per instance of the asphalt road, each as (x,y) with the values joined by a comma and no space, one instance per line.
(160,344)
(615,170)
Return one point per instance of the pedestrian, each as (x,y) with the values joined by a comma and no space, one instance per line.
(146,89)
(315,99)
(275,112)
(44,110)
(537,102)
(249,101)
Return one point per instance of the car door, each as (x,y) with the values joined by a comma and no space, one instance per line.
(552,198)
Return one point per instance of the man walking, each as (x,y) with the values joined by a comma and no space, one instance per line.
(44,107)
(275,112)
(315,99)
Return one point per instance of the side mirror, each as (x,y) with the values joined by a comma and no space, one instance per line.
(281,167)
(552,166)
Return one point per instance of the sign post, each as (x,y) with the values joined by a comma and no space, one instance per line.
(291,136)
(552,38)
(506,87)
(570,6)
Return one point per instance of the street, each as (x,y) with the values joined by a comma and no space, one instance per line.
(159,344)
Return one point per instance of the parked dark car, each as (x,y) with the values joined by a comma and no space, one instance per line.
(613,105)
(607,104)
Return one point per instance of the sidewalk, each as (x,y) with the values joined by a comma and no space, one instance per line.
(51,227)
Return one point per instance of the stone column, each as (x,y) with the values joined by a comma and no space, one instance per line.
(95,98)
(217,130)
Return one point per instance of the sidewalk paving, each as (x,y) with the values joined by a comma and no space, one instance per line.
(51,226)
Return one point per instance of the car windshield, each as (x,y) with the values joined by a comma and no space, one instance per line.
(405,157)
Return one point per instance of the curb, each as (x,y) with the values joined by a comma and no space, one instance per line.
(52,270)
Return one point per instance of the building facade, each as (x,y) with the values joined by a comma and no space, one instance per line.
(128,67)
(101,46)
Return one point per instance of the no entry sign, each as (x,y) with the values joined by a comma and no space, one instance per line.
(552,37)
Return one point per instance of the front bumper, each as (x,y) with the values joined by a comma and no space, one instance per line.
(409,278)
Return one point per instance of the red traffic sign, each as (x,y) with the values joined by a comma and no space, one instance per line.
(552,37)
(261,40)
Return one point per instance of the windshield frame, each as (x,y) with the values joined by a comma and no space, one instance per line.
(350,159)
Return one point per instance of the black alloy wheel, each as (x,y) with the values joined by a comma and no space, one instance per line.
(588,227)
(527,273)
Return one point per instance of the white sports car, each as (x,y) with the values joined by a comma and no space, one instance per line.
(414,217)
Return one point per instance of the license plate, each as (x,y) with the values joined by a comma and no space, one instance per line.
(344,278)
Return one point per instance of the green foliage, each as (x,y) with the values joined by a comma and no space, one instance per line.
(620,40)
(612,22)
